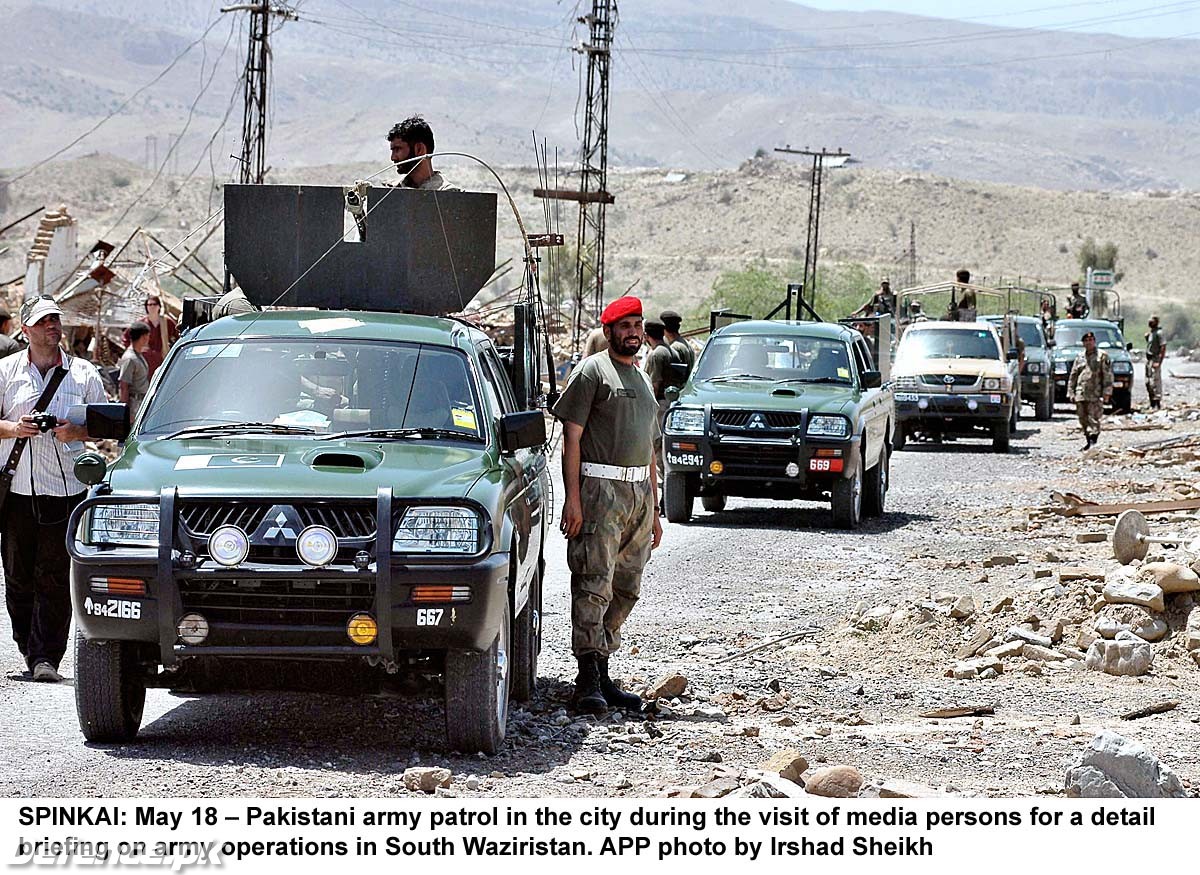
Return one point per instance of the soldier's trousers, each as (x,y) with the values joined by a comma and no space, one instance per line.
(1154,381)
(1089,416)
(606,560)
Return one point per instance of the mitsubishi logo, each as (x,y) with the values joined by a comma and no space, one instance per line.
(280,526)
(757,421)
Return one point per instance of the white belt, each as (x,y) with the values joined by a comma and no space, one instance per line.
(615,472)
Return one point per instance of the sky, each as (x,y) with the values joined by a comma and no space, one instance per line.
(1130,18)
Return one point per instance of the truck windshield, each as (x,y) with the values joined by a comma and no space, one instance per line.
(1107,336)
(319,385)
(775,357)
(948,343)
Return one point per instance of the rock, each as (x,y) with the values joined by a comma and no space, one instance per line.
(788,764)
(1091,537)
(1039,573)
(981,637)
(1017,633)
(988,674)
(1113,767)
(1127,656)
(1004,651)
(770,787)
(969,668)
(1053,630)
(426,779)
(1076,572)
(837,782)
(1052,557)
(1191,633)
(716,788)
(962,608)
(473,782)
(706,756)
(669,686)
(1121,590)
(894,788)
(1085,638)
(1170,577)
(945,597)
(1130,618)
(1000,605)
(1044,654)
(999,560)
(785,721)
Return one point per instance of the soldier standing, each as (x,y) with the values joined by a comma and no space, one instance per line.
(1077,307)
(610,420)
(672,322)
(1156,351)
(1090,387)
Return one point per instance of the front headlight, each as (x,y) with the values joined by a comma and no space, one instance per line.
(1122,367)
(686,420)
(438,530)
(131,525)
(992,383)
(1033,368)
(829,426)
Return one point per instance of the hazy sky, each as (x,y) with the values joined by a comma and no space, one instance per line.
(1132,18)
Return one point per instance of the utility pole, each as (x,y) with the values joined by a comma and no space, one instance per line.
(814,213)
(258,58)
(593,195)
(912,254)
(151,151)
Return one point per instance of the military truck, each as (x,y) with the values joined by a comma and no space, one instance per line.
(782,410)
(347,486)
(1068,337)
(1036,365)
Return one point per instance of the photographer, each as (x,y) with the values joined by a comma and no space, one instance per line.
(43,489)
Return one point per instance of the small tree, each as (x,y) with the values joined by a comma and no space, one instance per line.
(1098,257)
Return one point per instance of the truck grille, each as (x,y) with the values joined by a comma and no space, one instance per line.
(741,418)
(755,460)
(346,520)
(956,380)
(328,603)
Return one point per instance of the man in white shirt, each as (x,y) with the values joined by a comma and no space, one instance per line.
(44,488)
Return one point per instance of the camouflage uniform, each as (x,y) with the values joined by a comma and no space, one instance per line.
(1156,348)
(1091,381)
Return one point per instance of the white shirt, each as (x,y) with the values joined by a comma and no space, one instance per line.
(21,384)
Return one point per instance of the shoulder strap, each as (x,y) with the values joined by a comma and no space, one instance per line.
(14,458)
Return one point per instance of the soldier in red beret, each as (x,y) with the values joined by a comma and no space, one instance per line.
(610,518)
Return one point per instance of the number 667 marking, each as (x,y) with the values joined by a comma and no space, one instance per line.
(430,616)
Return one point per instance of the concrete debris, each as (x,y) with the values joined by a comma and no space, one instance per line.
(426,779)
(1113,767)
(788,764)
(981,637)
(1069,573)
(1143,623)
(1120,590)
(1170,577)
(898,789)
(716,788)
(669,686)
(971,668)
(1091,537)
(1044,654)
(1127,656)
(836,782)
(962,608)
(1001,605)
(999,560)
(1019,633)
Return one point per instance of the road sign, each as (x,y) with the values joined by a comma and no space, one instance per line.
(1101,279)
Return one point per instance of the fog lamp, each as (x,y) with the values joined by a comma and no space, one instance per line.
(316,546)
(972,404)
(229,546)
(716,467)
(923,404)
(192,629)
(362,629)
(792,469)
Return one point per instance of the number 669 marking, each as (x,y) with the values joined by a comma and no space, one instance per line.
(430,616)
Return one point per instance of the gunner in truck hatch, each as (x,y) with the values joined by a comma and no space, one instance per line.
(410,140)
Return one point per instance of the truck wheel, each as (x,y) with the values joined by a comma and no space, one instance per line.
(1000,437)
(1122,401)
(848,500)
(527,642)
(477,688)
(677,498)
(1045,407)
(110,689)
(899,437)
(713,503)
(876,486)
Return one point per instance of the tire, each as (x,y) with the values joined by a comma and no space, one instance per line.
(899,437)
(677,498)
(527,642)
(110,690)
(876,486)
(1122,401)
(1000,437)
(1045,407)
(477,691)
(848,500)
(713,503)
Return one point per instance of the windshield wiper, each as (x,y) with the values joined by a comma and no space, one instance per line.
(399,433)
(838,380)
(267,427)
(726,377)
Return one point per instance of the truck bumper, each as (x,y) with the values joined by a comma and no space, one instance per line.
(952,413)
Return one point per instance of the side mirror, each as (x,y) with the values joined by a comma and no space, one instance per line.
(90,468)
(671,393)
(103,421)
(872,379)
(522,430)
(1129,347)
(1013,354)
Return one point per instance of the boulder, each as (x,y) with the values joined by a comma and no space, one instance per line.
(426,779)
(1127,655)
(837,782)
(1130,618)
(962,608)
(788,764)
(1018,633)
(669,686)
(1122,591)
(1170,577)
(1113,767)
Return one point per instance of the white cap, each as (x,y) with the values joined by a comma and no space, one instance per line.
(38,308)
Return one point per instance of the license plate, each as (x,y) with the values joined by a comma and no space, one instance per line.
(693,459)
(906,396)
(1035,380)
(834,466)
(993,399)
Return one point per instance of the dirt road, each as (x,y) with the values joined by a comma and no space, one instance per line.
(849,694)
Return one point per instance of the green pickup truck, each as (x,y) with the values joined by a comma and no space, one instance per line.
(781,410)
(360,490)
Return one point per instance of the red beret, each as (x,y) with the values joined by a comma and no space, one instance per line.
(624,306)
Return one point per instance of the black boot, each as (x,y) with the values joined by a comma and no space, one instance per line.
(588,697)
(614,695)
(1092,438)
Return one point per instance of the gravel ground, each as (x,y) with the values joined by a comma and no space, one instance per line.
(723,584)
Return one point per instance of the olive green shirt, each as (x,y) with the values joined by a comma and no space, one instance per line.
(658,364)
(1091,377)
(686,352)
(616,408)
(135,372)
(1155,346)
